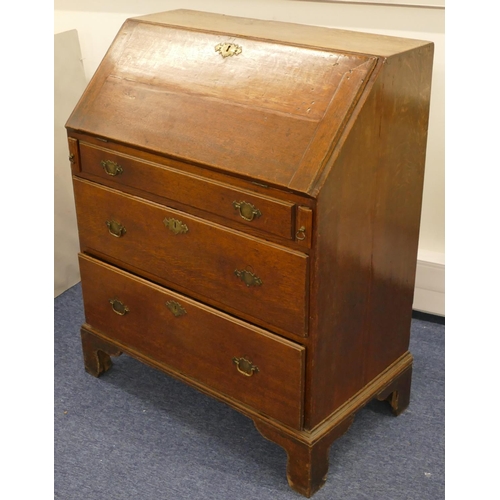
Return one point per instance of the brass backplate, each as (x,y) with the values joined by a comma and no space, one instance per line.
(247,210)
(111,167)
(115,228)
(245,366)
(119,307)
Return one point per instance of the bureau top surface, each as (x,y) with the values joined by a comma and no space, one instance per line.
(260,100)
(295,34)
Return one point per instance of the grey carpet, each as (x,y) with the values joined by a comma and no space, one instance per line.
(136,433)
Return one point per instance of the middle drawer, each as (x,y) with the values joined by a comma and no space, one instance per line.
(266,282)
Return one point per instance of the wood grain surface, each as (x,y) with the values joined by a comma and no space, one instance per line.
(200,343)
(300,316)
(203,259)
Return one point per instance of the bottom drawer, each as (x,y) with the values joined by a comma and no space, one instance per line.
(235,358)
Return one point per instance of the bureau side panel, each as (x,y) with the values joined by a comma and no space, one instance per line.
(366,238)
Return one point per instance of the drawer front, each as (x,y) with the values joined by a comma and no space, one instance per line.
(262,280)
(235,358)
(250,209)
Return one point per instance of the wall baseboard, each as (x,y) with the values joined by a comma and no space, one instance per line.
(429,294)
(431,318)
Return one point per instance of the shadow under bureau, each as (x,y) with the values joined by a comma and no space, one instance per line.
(248,198)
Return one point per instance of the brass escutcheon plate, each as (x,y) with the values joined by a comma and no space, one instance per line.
(249,278)
(228,49)
(176,226)
(175,308)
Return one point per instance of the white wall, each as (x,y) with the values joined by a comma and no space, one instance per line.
(69,83)
(98,21)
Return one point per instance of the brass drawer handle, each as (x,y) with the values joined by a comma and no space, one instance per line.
(228,49)
(119,307)
(301,233)
(175,308)
(245,366)
(247,210)
(176,226)
(111,168)
(249,278)
(115,228)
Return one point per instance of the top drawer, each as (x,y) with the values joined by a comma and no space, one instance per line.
(248,208)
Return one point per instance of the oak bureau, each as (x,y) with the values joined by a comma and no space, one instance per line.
(248,198)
